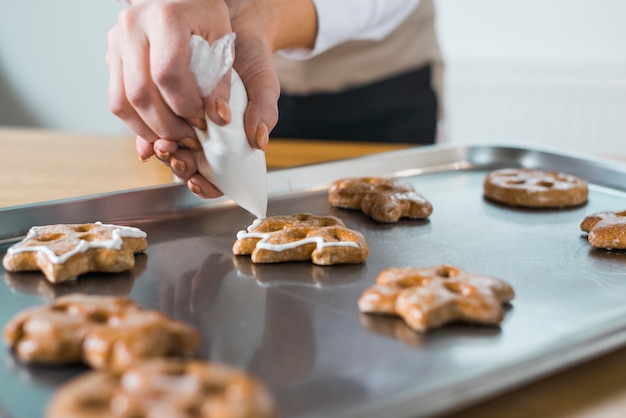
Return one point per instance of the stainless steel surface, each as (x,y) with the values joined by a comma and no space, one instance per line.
(297,327)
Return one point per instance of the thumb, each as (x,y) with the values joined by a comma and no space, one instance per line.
(259,77)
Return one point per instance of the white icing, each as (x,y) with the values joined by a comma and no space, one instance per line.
(255,224)
(371,297)
(319,241)
(265,236)
(385,290)
(115,243)
(183,384)
(366,305)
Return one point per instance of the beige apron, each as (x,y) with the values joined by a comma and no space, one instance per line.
(356,63)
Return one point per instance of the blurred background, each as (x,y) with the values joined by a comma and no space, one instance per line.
(540,72)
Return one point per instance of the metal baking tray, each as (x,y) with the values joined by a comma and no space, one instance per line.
(296,326)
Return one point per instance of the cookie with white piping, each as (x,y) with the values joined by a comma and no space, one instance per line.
(427,298)
(385,200)
(164,388)
(324,240)
(606,229)
(64,251)
(104,332)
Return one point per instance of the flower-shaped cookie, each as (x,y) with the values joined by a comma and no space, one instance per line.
(431,297)
(64,251)
(535,188)
(324,240)
(164,388)
(104,332)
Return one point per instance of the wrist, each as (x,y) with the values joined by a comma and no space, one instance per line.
(284,24)
(295,25)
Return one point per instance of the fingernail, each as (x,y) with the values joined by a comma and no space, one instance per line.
(191,143)
(194,188)
(262,135)
(199,123)
(162,155)
(144,159)
(223,110)
(178,165)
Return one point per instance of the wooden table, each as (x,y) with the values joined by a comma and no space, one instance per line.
(43,165)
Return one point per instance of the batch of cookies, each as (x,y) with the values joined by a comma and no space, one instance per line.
(143,361)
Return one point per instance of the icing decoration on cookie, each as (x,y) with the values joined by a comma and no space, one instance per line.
(322,239)
(535,188)
(385,200)
(427,298)
(165,388)
(64,251)
(606,229)
(104,332)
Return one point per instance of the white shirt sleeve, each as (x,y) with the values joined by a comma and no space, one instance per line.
(339,21)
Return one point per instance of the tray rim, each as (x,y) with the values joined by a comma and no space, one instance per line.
(278,174)
(611,336)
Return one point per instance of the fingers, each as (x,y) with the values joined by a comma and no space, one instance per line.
(201,187)
(262,112)
(118,103)
(183,164)
(169,59)
(181,161)
(259,76)
(216,104)
(163,149)
(145,98)
(144,148)
(152,89)
(150,85)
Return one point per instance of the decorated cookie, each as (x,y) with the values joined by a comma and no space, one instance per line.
(104,332)
(324,240)
(535,188)
(428,298)
(164,388)
(385,200)
(606,229)
(64,251)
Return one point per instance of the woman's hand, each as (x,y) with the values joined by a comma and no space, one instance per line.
(262,27)
(153,91)
(150,85)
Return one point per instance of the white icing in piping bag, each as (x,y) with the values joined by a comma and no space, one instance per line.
(228,161)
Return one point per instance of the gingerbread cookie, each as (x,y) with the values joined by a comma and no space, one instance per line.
(535,188)
(63,252)
(606,229)
(324,240)
(385,200)
(431,297)
(101,331)
(164,388)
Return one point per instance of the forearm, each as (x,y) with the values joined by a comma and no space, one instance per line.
(351,20)
(287,24)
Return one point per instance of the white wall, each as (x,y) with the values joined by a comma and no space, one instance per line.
(550,72)
(546,72)
(53,71)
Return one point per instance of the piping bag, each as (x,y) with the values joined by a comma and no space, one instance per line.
(227,160)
